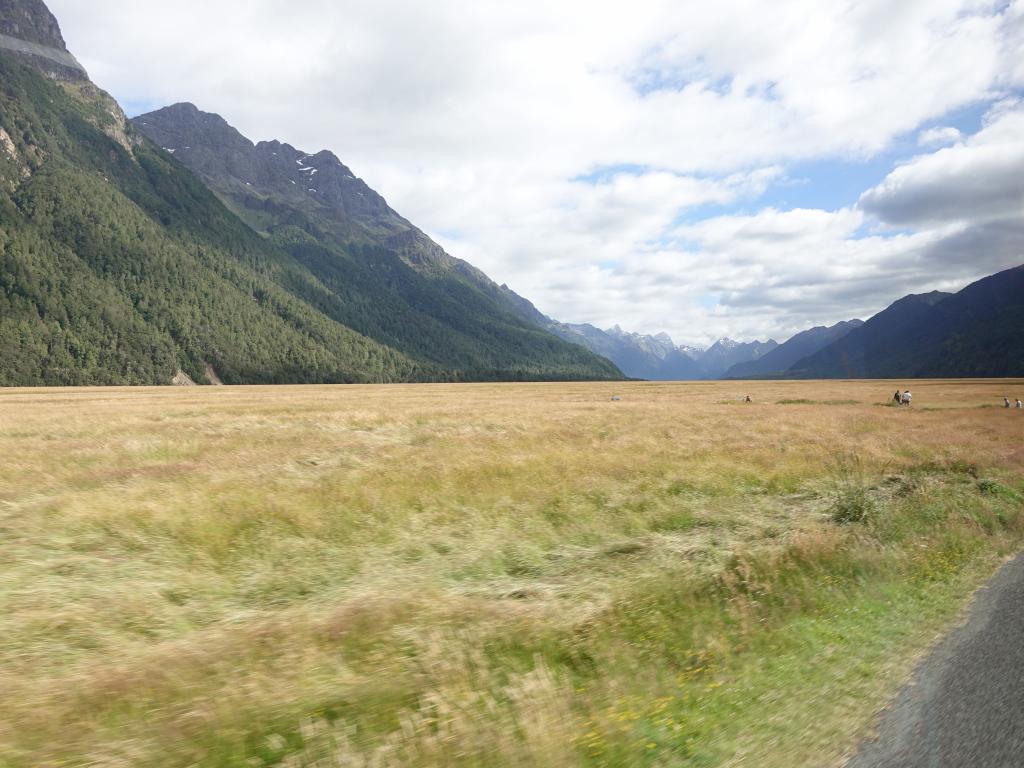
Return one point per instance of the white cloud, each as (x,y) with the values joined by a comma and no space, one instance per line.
(1013,45)
(939,137)
(979,180)
(474,119)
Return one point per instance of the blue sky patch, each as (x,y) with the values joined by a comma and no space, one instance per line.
(607,173)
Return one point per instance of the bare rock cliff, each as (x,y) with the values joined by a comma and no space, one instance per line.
(29,30)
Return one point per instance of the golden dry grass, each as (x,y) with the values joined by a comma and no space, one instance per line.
(493,575)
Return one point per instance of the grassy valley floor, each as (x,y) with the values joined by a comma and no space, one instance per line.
(493,575)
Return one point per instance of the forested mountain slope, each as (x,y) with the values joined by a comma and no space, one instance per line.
(974,333)
(118,266)
(875,347)
(978,332)
(397,286)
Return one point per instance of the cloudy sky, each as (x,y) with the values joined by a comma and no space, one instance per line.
(730,168)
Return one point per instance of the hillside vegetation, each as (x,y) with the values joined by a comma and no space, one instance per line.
(117,266)
(973,333)
(485,575)
(392,282)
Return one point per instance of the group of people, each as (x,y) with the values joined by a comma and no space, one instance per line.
(903,398)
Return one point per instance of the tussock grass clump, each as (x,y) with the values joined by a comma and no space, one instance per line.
(851,492)
(481,576)
(991,487)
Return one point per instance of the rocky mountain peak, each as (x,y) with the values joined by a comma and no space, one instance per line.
(29,30)
(261,182)
(185,125)
(31,21)
(927,299)
(326,156)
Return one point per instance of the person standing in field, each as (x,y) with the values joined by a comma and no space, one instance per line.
(1006,402)
(1019,404)
(898,398)
(907,397)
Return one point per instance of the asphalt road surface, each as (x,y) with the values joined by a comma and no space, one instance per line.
(965,705)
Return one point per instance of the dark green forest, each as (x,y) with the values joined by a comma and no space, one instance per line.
(975,333)
(118,266)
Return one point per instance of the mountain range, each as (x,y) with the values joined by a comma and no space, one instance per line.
(658,357)
(977,332)
(654,358)
(395,284)
(119,265)
(171,248)
(779,360)
(726,353)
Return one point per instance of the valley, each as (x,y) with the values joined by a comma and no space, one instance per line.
(287,482)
